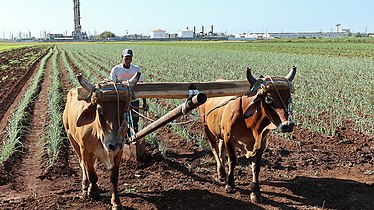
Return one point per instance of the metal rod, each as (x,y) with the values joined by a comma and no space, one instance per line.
(192,103)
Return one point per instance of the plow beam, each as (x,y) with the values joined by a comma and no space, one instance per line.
(192,103)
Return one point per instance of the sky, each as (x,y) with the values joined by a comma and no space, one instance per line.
(226,16)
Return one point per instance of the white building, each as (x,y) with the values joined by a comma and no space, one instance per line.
(185,33)
(253,36)
(311,34)
(158,33)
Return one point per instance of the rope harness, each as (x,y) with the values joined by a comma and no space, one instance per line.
(254,91)
(127,116)
(250,92)
(289,108)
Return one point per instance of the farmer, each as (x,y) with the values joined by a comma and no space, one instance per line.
(123,72)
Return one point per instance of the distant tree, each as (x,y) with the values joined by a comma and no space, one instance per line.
(358,34)
(105,35)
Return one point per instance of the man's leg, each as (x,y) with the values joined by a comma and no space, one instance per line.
(135,116)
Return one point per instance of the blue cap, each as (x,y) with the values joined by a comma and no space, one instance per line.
(127,52)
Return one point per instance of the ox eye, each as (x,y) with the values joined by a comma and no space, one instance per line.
(268,100)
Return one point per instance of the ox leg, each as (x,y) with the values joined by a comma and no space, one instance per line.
(217,155)
(256,164)
(255,185)
(85,182)
(93,189)
(222,155)
(116,203)
(232,160)
(77,150)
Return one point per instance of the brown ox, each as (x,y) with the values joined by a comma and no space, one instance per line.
(96,129)
(244,121)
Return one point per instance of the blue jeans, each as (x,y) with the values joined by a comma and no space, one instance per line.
(134,116)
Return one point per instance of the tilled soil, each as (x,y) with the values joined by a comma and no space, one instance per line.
(305,171)
(17,66)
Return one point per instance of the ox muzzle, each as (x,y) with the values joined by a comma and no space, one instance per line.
(113,145)
(286,127)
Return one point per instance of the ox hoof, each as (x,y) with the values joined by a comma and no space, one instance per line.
(94,195)
(229,189)
(84,194)
(94,192)
(221,180)
(117,207)
(256,197)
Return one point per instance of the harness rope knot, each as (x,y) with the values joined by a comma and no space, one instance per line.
(289,108)
(254,90)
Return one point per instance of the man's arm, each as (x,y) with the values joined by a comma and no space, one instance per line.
(113,76)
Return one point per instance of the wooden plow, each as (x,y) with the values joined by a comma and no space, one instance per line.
(196,92)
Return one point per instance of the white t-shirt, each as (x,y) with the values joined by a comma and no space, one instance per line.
(120,73)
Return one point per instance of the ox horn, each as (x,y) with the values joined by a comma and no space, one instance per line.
(292,73)
(85,83)
(134,79)
(250,77)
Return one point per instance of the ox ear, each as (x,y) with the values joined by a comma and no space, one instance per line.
(252,108)
(87,116)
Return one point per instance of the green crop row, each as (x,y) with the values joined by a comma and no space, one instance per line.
(17,126)
(54,128)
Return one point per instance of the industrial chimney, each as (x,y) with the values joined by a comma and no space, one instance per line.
(77,18)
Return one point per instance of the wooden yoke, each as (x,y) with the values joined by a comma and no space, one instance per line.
(179,90)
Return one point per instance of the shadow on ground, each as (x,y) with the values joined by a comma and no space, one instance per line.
(328,193)
(187,199)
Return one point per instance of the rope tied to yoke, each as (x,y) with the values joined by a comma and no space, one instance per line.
(252,91)
(124,125)
(289,108)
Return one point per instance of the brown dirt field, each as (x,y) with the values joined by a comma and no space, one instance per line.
(310,171)
(17,67)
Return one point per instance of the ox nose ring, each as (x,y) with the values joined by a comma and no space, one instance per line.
(286,127)
(112,147)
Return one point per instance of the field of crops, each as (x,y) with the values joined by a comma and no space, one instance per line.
(337,88)
(333,109)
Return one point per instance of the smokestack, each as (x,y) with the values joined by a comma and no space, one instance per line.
(77,17)
(211,30)
(202,30)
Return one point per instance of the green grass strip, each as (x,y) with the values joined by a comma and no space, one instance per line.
(54,129)
(19,120)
